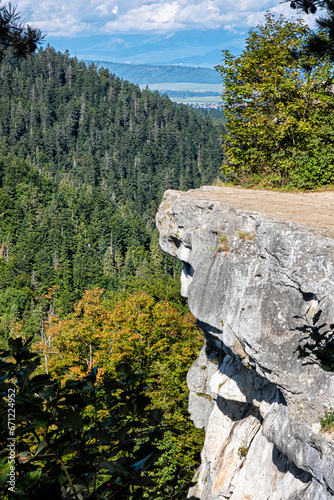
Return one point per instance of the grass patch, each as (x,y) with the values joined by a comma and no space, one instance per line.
(224,244)
(246,236)
(242,451)
(327,422)
(205,396)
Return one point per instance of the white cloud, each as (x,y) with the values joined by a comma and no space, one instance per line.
(60,17)
(180,14)
(154,16)
(102,9)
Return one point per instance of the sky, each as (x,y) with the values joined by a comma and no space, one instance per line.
(189,32)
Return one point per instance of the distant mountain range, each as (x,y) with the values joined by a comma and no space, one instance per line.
(152,74)
(195,48)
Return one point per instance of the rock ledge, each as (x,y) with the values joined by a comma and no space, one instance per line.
(259,283)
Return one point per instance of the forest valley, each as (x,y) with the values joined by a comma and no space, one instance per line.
(96,339)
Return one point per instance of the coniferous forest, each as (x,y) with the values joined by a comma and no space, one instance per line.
(84,160)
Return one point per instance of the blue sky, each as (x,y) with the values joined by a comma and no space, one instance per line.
(190,32)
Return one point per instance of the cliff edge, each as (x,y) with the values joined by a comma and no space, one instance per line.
(259,277)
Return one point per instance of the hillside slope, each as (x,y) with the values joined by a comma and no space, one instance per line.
(84,160)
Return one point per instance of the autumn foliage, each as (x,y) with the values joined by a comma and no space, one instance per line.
(158,339)
(150,333)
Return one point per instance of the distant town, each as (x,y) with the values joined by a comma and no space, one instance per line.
(207,105)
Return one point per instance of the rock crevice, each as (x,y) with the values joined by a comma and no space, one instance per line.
(262,290)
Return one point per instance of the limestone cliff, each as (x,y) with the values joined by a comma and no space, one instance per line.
(261,286)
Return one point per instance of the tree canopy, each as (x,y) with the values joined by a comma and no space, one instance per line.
(279,109)
(152,335)
(22,38)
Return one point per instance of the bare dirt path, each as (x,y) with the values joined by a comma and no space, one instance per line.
(315,210)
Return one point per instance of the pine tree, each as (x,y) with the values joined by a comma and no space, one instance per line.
(23,39)
(320,43)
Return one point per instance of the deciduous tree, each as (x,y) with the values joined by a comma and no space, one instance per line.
(65,446)
(278,109)
(160,342)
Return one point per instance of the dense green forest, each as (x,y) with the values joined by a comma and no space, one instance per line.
(215,114)
(84,160)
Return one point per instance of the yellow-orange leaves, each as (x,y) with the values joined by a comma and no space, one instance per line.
(138,329)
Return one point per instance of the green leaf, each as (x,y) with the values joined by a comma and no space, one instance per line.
(48,489)
(102,437)
(156,416)
(113,467)
(38,382)
(43,445)
(138,402)
(4,470)
(28,370)
(73,420)
(124,371)
(144,481)
(4,365)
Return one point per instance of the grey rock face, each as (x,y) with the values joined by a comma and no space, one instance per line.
(258,287)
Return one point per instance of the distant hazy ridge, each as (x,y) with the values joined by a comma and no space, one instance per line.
(146,74)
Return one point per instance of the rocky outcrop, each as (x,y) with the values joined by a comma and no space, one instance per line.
(262,290)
